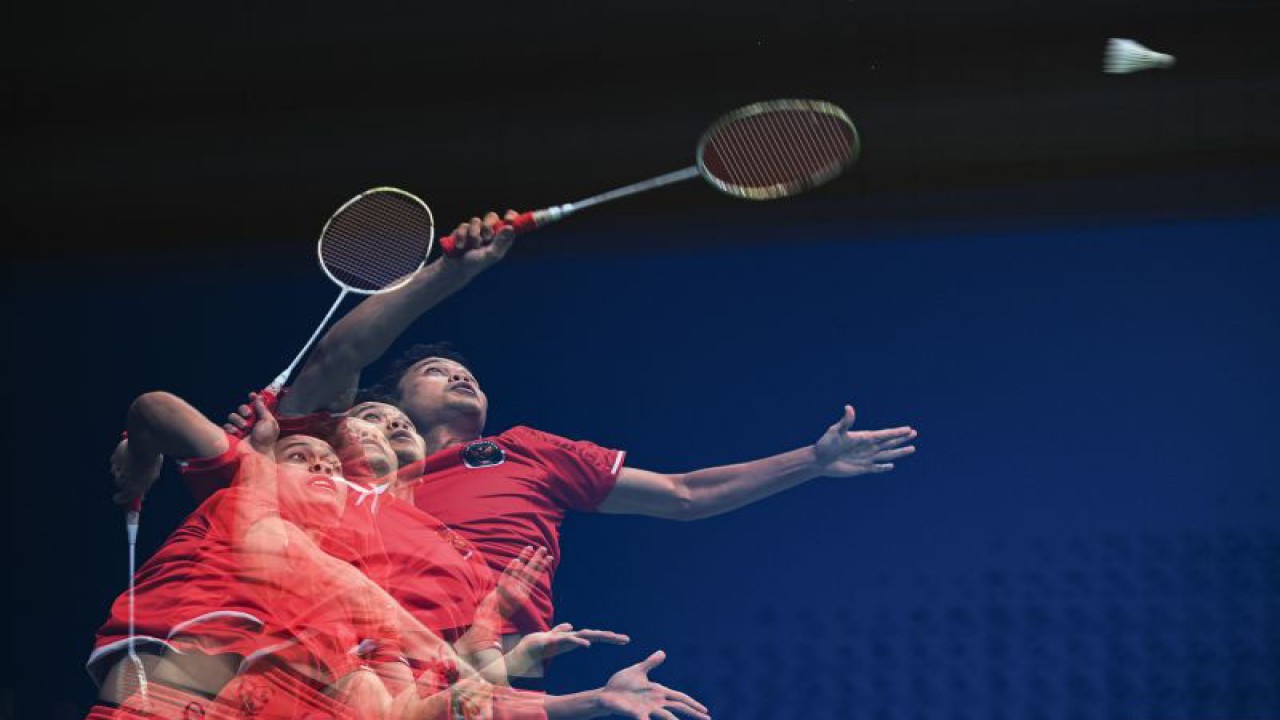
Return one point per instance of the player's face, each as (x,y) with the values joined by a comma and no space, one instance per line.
(438,391)
(396,427)
(309,492)
(364,449)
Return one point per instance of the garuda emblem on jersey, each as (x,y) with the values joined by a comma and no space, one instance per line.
(483,453)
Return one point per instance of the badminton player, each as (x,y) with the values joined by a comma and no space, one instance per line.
(510,490)
(424,586)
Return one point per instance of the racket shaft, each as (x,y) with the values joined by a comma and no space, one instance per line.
(644,185)
(528,221)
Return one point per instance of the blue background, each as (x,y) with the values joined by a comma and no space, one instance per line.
(1089,529)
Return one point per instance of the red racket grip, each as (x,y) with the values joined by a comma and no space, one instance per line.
(523,223)
(271,398)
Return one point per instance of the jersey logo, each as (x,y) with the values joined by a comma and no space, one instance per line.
(483,453)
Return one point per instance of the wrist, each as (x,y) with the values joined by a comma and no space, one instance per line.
(812,459)
(596,703)
(456,272)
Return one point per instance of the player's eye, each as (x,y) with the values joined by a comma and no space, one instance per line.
(434,371)
(371,417)
(296,455)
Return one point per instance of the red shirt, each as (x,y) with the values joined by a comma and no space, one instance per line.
(429,569)
(195,594)
(504,502)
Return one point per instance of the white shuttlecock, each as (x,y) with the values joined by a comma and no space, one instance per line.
(1126,56)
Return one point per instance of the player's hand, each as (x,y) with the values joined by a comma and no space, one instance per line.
(265,431)
(630,693)
(133,476)
(844,453)
(240,422)
(482,242)
(517,581)
(534,648)
(363,691)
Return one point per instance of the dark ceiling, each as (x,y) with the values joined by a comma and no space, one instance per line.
(141,124)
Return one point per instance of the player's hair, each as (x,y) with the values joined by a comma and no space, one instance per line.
(387,389)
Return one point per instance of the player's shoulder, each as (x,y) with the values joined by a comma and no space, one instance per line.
(534,438)
(523,434)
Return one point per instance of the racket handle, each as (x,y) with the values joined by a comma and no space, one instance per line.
(131,519)
(271,397)
(523,223)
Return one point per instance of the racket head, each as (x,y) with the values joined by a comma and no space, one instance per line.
(376,241)
(777,148)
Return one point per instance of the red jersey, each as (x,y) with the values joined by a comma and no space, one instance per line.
(430,570)
(196,593)
(509,491)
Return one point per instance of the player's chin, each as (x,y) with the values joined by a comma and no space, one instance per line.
(468,403)
(409,454)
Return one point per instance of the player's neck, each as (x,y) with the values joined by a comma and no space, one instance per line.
(443,436)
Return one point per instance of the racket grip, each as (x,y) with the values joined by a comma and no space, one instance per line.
(131,519)
(523,223)
(271,397)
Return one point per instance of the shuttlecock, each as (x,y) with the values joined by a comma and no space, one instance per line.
(1126,56)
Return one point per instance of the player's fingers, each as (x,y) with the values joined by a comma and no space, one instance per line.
(653,660)
(540,560)
(480,231)
(891,436)
(518,562)
(604,636)
(688,710)
(462,237)
(261,410)
(894,454)
(663,714)
(491,219)
(562,627)
(881,467)
(236,421)
(682,697)
(846,420)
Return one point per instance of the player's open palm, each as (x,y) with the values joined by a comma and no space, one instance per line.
(842,452)
(630,693)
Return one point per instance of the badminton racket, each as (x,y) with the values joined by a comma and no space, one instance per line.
(763,151)
(371,245)
(132,683)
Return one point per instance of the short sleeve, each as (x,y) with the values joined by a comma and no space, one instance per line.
(205,476)
(581,474)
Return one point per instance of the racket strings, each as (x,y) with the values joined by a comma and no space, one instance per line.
(777,148)
(779,151)
(376,240)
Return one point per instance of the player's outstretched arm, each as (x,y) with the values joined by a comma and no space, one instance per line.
(840,452)
(365,333)
(160,424)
